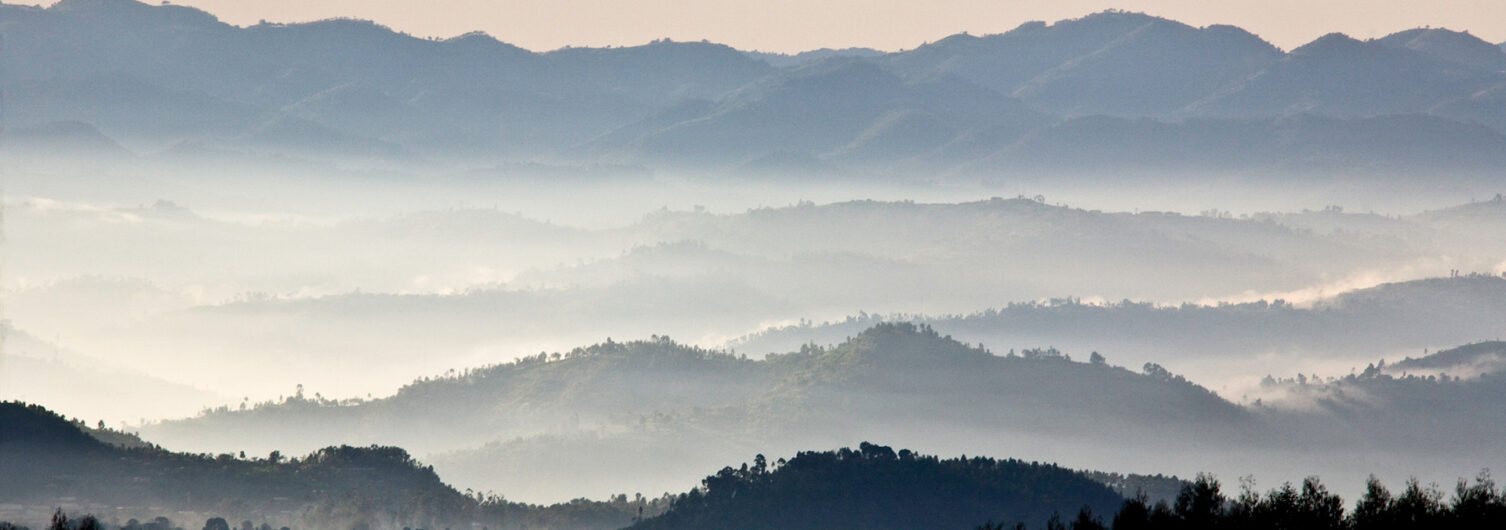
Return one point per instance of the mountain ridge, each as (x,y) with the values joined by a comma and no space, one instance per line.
(476,99)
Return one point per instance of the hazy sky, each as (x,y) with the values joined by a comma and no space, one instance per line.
(795,25)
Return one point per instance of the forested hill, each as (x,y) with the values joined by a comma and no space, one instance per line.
(1460,391)
(890,374)
(875,487)
(610,382)
(1464,361)
(649,416)
(44,457)
(48,461)
(1360,324)
(904,372)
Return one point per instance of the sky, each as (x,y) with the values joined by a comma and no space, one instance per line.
(798,25)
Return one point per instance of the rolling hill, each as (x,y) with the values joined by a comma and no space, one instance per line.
(875,487)
(1217,344)
(615,405)
(645,416)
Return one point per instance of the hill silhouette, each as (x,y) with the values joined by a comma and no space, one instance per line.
(1406,316)
(49,461)
(355,92)
(1340,76)
(619,409)
(1471,359)
(1154,69)
(46,458)
(1400,402)
(1459,47)
(891,373)
(875,487)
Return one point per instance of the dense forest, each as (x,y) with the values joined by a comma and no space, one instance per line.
(876,487)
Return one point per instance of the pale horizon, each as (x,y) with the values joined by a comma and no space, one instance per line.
(792,27)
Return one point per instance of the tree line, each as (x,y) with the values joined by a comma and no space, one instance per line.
(1202,505)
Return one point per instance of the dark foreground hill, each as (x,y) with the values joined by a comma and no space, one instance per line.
(874,487)
(48,461)
(871,487)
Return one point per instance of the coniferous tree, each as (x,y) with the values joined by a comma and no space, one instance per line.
(1317,508)
(1479,505)
(1055,523)
(1134,514)
(1373,511)
(1087,521)
(1162,516)
(59,521)
(1200,504)
(1418,507)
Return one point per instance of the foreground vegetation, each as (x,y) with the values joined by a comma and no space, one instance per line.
(1203,505)
(871,487)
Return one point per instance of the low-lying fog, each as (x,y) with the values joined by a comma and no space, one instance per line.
(241,285)
(1116,242)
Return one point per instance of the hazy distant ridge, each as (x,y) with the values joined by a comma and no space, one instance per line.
(647,414)
(152,77)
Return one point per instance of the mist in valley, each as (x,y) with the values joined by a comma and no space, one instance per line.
(598,271)
(222,311)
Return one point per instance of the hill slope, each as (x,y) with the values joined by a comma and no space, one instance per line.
(875,487)
(644,415)
(890,374)
(49,461)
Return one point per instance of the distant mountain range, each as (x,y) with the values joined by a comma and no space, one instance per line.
(1109,90)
